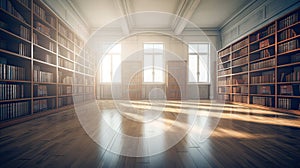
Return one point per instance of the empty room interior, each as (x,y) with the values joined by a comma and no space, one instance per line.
(149,83)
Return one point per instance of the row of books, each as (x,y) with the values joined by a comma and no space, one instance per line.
(264,101)
(89,89)
(289,33)
(90,81)
(224,72)
(290,76)
(240,98)
(25,3)
(40,12)
(240,61)
(79,60)
(224,89)
(263,90)
(45,57)
(65,63)
(43,105)
(78,89)
(285,103)
(42,28)
(239,53)
(24,49)
(224,97)
(78,42)
(25,33)
(224,52)
(65,31)
(262,34)
(287,90)
(224,66)
(65,53)
(66,43)
(240,44)
(64,90)
(18,48)
(64,101)
(262,54)
(240,79)
(10,72)
(288,46)
(65,79)
(265,78)
(293,18)
(240,69)
(11,91)
(9,7)
(41,76)
(264,43)
(226,81)
(13,110)
(240,89)
(78,50)
(40,90)
(263,64)
(46,44)
(79,68)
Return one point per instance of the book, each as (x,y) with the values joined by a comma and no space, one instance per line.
(286,89)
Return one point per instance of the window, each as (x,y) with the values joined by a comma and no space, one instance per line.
(110,66)
(153,62)
(198,63)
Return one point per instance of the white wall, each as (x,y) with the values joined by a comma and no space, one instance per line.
(175,47)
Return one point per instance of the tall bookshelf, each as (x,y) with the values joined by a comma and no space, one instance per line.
(44,66)
(263,68)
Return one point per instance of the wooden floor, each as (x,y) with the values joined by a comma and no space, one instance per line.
(243,138)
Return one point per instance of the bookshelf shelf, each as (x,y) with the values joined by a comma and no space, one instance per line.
(269,75)
(41,56)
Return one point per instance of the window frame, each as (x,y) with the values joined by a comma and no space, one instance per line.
(199,54)
(154,54)
(110,54)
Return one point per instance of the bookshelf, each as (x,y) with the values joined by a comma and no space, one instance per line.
(263,68)
(44,65)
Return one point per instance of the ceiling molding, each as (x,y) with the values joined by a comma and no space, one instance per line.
(77,13)
(185,11)
(126,18)
(236,14)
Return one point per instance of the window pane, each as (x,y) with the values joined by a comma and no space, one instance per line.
(193,48)
(148,61)
(148,75)
(148,48)
(203,68)
(158,61)
(158,48)
(193,68)
(116,68)
(106,69)
(158,75)
(203,48)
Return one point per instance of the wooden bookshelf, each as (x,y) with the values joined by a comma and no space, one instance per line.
(263,68)
(44,66)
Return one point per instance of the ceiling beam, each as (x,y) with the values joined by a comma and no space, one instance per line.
(123,7)
(184,12)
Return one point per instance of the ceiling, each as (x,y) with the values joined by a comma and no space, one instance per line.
(160,14)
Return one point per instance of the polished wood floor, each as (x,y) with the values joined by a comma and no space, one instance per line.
(243,137)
